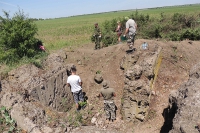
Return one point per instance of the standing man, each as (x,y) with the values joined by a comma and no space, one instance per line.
(75,83)
(97,36)
(108,95)
(131,27)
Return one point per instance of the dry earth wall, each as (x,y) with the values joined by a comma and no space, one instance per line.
(140,69)
(47,85)
(30,93)
(183,113)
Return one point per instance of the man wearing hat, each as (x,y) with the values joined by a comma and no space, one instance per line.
(131,27)
(108,95)
(97,36)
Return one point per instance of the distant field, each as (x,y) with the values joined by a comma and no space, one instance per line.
(76,30)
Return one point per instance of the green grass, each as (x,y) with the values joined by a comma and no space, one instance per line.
(76,30)
(155,12)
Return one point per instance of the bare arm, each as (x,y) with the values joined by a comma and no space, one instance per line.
(126,31)
(135,26)
(68,84)
(80,83)
(118,27)
(99,95)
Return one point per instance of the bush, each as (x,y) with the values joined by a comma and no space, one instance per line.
(191,34)
(109,35)
(152,31)
(174,27)
(17,37)
(109,38)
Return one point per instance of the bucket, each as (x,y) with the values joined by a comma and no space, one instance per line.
(123,38)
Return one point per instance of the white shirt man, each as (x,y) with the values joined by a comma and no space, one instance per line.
(74,81)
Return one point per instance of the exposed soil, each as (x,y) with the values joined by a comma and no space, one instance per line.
(177,59)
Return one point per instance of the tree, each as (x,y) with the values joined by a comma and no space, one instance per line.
(17,37)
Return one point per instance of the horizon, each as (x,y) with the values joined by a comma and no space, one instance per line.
(52,9)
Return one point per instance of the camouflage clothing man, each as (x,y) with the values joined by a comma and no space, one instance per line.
(97,36)
(131,27)
(108,95)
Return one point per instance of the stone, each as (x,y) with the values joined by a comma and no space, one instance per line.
(93,120)
(98,78)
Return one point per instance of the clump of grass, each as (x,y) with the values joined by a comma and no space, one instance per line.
(98,72)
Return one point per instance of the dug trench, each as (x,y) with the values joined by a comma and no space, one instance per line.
(142,79)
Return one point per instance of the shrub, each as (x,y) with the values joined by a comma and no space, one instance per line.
(191,34)
(176,27)
(109,38)
(17,37)
(108,32)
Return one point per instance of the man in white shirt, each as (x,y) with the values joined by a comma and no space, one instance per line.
(74,81)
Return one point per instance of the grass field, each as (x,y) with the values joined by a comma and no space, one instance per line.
(76,30)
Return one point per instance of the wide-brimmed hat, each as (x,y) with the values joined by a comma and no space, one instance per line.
(126,18)
(105,84)
(118,21)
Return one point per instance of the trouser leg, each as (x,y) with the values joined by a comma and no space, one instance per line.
(133,39)
(80,96)
(107,110)
(112,111)
(98,43)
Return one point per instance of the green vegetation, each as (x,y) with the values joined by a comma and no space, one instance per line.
(175,27)
(18,34)
(17,41)
(75,120)
(82,104)
(98,72)
(77,30)
(6,122)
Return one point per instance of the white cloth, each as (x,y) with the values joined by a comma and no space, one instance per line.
(130,24)
(74,81)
